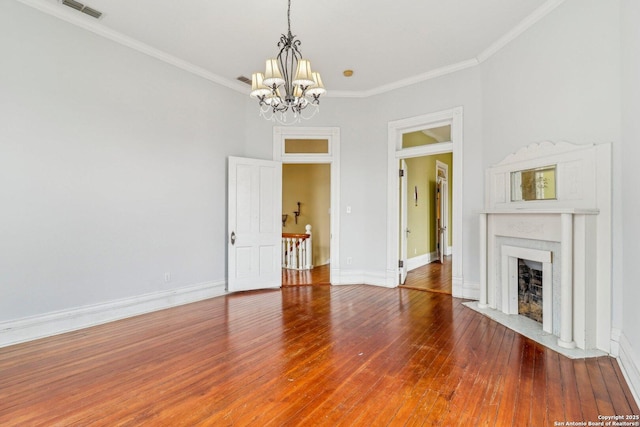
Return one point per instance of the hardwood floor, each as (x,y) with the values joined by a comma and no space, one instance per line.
(316,276)
(305,355)
(433,277)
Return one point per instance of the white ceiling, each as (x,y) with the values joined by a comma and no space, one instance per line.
(387,43)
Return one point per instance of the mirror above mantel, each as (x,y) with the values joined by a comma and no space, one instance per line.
(534,184)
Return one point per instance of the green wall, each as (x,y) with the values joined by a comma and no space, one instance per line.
(421,175)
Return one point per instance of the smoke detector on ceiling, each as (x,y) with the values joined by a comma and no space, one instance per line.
(82,8)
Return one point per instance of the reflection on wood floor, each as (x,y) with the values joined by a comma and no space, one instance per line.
(315,276)
(433,277)
(305,356)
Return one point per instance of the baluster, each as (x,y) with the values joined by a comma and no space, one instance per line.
(308,264)
(283,245)
(300,264)
(290,252)
(294,253)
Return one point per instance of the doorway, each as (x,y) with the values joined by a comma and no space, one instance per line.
(425,208)
(431,125)
(306,203)
(298,147)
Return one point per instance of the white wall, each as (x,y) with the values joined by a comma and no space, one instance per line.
(556,81)
(112,169)
(630,276)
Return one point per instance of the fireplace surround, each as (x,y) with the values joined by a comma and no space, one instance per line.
(570,235)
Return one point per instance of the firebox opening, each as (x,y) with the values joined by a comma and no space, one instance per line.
(530,289)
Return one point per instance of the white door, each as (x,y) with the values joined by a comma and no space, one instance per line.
(403,221)
(255,224)
(442,210)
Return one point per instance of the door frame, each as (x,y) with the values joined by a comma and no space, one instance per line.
(396,129)
(332,157)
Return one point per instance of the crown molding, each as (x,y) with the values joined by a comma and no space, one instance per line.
(524,25)
(443,71)
(53,8)
(90,24)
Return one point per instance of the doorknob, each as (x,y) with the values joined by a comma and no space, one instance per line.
(233,237)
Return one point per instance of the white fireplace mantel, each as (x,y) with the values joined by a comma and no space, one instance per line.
(573,229)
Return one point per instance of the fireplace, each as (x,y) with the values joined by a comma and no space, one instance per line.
(546,262)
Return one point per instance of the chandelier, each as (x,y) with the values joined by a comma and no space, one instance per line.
(282,95)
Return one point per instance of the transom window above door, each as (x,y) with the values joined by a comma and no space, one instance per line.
(306,146)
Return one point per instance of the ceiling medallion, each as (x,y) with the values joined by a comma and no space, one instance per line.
(282,95)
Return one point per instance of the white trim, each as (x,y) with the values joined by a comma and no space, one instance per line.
(524,25)
(396,129)
(90,24)
(332,135)
(471,290)
(94,26)
(362,277)
(58,322)
(432,74)
(421,260)
(630,366)
(615,342)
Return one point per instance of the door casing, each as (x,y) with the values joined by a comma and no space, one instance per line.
(396,129)
(332,135)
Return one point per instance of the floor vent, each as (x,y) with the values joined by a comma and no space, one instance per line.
(82,8)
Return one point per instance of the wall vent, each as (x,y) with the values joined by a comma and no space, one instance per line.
(82,8)
(244,80)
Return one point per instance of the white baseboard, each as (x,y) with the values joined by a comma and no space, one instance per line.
(629,363)
(420,260)
(362,277)
(614,342)
(31,328)
(471,290)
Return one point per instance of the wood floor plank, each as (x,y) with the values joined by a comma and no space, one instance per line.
(511,381)
(599,386)
(304,355)
(522,415)
(495,378)
(539,393)
(616,387)
(570,396)
(588,405)
(420,397)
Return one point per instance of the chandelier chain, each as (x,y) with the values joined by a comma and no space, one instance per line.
(289,18)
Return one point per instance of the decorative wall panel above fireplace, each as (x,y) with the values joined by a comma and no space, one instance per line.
(573,228)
